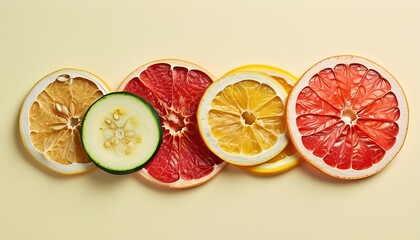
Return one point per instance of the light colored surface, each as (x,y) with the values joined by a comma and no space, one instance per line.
(112,38)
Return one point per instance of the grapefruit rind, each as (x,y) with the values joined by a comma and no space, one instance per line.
(205,129)
(181,183)
(171,61)
(318,162)
(143,173)
(70,169)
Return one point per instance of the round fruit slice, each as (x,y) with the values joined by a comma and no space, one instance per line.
(348,117)
(121,132)
(51,116)
(288,158)
(241,117)
(174,88)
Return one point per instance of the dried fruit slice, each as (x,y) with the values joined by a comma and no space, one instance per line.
(121,132)
(51,116)
(241,117)
(348,117)
(288,158)
(174,88)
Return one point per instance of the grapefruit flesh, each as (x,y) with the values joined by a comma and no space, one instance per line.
(348,117)
(174,88)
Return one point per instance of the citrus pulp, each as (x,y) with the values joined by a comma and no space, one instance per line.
(348,117)
(241,117)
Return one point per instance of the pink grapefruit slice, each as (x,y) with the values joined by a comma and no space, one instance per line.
(174,88)
(348,117)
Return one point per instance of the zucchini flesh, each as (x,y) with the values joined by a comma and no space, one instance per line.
(121,132)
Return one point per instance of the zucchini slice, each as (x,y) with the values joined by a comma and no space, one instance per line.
(121,132)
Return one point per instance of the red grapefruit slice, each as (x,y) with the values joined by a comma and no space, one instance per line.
(348,117)
(174,88)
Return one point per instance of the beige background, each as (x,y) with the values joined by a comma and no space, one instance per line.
(112,38)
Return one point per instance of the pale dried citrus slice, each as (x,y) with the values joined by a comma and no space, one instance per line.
(348,117)
(51,116)
(288,158)
(241,117)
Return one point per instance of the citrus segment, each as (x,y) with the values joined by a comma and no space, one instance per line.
(241,117)
(174,89)
(251,102)
(51,117)
(348,117)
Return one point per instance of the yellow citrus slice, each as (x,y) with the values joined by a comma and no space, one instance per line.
(241,117)
(347,116)
(288,158)
(51,116)
(285,160)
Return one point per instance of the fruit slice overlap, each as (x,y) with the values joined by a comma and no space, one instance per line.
(51,117)
(288,157)
(348,117)
(241,117)
(174,88)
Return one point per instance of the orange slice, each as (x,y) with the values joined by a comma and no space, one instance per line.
(51,116)
(348,117)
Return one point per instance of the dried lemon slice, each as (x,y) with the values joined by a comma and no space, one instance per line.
(241,117)
(51,117)
(288,158)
